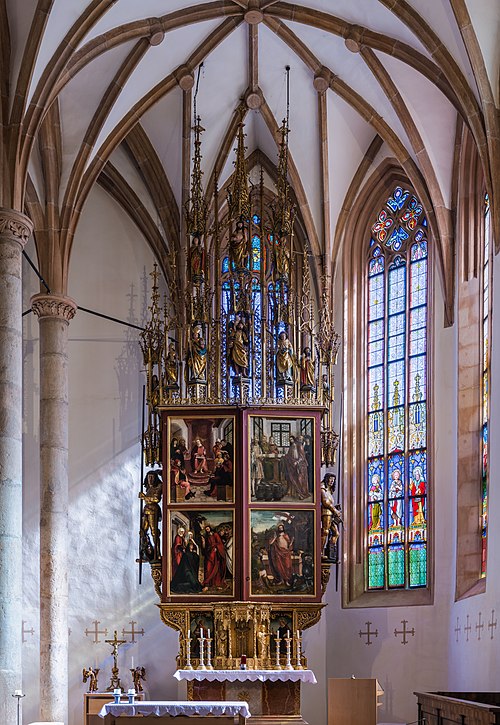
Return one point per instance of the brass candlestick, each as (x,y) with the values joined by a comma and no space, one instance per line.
(277,666)
(209,653)
(298,640)
(188,665)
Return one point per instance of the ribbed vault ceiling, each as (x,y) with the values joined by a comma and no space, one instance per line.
(386,77)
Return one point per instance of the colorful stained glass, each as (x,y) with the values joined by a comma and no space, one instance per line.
(485,383)
(256,253)
(396,348)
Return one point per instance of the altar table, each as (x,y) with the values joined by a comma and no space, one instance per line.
(150,711)
(273,695)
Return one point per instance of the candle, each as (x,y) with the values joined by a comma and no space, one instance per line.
(201,632)
(18,693)
(117,691)
(132,661)
(131,691)
(288,633)
(189,634)
(208,634)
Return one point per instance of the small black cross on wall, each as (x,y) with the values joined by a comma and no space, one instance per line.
(479,626)
(404,631)
(96,631)
(25,631)
(467,629)
(368,634)
(492,624)
(458,629)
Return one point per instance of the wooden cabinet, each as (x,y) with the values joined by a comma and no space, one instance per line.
(93,702)
(352,701)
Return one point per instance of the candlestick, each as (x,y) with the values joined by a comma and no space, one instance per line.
(277,666)
(201,666)
(288,664)
(116,694)
(188,665)
(131,696)
(209,651)
(19,695)
(243,662)
(299,666)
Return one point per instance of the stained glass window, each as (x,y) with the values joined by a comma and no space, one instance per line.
(485,378)
(396,424)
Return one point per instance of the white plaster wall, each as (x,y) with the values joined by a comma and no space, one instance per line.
(422,664)
(110,260)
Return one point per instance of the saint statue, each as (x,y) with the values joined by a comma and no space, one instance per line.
(307,372)
(197,259)
(197,354)
(238,246)
(331,515)
(138,674)
(91,675)
(238,347)
(171,366)
(151,515)
(284,360)
(282,259)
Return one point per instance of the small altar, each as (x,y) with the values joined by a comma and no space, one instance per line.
(273,695)
(183,712)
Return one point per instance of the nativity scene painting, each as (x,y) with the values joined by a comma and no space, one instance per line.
(201,553)
(201,459)
(282,553)
(282,454)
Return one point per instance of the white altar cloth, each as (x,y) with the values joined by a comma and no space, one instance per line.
(247,675)
(174,708)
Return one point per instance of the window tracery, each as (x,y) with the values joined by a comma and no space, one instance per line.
(396,400)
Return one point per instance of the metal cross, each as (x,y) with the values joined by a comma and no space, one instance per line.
(467,629)
(96,632)
(458,629)
(479,626)
(492,624)
(368,634)
(133,631)
(404,631)
(24,632)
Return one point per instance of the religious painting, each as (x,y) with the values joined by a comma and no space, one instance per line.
(282,553)
(281,625)
(201,553)
(201,459)
(201,624)
(281,459)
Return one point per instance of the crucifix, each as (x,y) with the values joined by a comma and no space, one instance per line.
(368,634)
(133,631)
(96,632)
(467,629)
(31,631)
(492,624)
(479,626)
(458,629)
(404,631)
(115,674)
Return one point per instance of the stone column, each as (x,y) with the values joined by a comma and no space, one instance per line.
(15,230)
(54,313)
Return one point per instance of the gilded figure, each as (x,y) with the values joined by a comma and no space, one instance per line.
(238,347)
(90,674)
(331,515)
(197,354)
(307,371)
(238,246)
(151,515)
(284,360)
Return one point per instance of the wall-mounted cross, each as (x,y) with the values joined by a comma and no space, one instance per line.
(133,631)
(96,631)
(404,631)
(467,629)
(492,624)
(458,629)
(479,626)
(368,634)
(25,631)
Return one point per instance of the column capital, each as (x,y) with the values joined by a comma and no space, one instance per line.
(14,226)
(52,305)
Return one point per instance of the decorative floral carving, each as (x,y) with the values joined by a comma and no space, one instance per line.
(53,306)
(15,225)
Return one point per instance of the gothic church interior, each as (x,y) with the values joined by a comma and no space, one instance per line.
(392,122)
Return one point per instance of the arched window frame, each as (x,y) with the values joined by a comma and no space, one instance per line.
(473,312)
(364,212)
